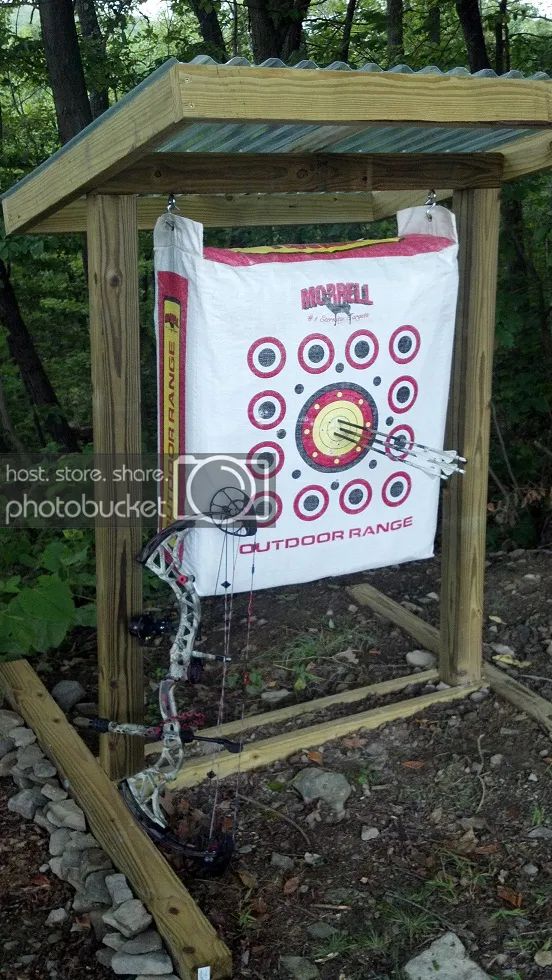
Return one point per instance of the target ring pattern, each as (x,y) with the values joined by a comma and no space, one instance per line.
(335,425)
(396,489)
(266,409)
(316,353)
(266,357)
(311,503)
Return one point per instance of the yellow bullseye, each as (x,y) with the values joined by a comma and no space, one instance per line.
(326,427)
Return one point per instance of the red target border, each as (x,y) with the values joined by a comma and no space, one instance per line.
(259,448)
(348,356)
(273,422)
(396,406)
(354,483)
(410,357)
(396,476)
(315,487)
(390,451)
(301,351)
(279,507)
(251,352)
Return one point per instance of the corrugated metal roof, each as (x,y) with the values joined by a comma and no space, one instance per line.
(285,138)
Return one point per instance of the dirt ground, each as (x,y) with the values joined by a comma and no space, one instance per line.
(464,837)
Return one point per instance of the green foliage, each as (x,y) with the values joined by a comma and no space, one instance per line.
(46,590)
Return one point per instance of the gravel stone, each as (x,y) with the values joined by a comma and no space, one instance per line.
(55,866)
(130,918)
(446,958)
(80,841)
(117,887)
(56,917)
(420,658)
(538,833)
(105,956)
(7,763)
(27,755)
(321,930)
(22,736)
(299,968)
(6,745)
(67,694)
(95,890)
(281,861)
(156,963)
(114,940)
(144,942)
(9,720)
(26,803)
(54,792)
(318,784)
(369,833)
(43,769)
(67,813)
(530,870)
(496,760)
(273,697)
(59,841)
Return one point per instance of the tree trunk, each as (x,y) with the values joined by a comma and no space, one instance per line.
(21,346)
(502,39)
(63,60)
(434,24)
(395,49)
(347,27)
(210,29)
(277,28)
(472,29)
(95,45)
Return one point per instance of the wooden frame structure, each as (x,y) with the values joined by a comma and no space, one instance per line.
(177,133)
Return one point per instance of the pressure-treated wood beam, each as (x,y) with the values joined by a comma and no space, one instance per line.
(115,362)
(244,210)
(220,173)
(507,687)
(262,753)
(527,156)
(263,95)
(280,715)
(190,938)
(465,497)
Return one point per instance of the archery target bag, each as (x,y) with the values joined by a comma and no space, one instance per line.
(292,377)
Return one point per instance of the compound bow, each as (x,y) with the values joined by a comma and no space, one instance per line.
(230,511)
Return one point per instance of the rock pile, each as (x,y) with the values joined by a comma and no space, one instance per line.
(131,948)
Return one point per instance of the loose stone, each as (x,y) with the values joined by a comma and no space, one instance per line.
(299,968)
(54,792)
(130,918)
(118,889)
(318,784)
(7,763)
(156,963)
(57,917)
(420,658)
(144,942)
(114,940)
(26,803)
(67,694)
(67,813)
(22,736)
(369,833)
(59,841)
(6,745)
(446,958)
(28,755)
(281,861)
(9,720)
(43,769)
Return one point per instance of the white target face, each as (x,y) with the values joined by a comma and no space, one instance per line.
(402,394)
(361,349)
(267,507)
(404,344)
(399,442)
(355,496)
(311,502)
(266,410)
(266,357)
(265,459)
(316,353)
(396,489)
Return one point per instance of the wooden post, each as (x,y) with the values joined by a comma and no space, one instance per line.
(465,498)
(115,356)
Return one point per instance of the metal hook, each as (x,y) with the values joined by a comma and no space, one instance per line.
(172,206)
(430,203)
